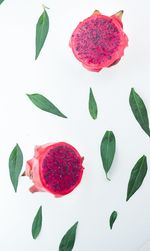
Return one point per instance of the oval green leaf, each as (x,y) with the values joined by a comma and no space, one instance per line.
(139,110)
(1,1)
(92,105)
(108,148)
(112,219)
(42,28)
(67,242)
(15,165)
(44,104)
(137,176)
(37,223)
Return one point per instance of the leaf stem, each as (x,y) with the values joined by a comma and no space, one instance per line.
(107,177)
(45,7)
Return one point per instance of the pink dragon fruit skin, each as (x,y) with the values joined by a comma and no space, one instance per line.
(55,168)
(99,41)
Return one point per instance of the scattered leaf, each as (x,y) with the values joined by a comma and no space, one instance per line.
(92,105)
(42,28)
(139,110)
(37,223)
(107,148)
(67,242)
(44,104)
(15,165)
(1,1)
(112,219)
(137,176)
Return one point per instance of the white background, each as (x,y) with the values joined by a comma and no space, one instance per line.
(61,78)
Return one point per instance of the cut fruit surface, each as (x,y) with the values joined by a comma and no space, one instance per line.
(99,41)
(55,168)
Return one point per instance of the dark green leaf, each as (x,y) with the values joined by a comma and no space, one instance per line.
(108,147)
(42,28)
(112,219)
(139,110)
(44,104)
(37,224)
(137,176)
(1,1)
(92,105)
(67,242)
(15,165)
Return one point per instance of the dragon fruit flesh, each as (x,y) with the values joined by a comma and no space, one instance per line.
(99,41)
(55,168)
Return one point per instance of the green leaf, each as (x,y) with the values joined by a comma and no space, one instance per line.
(37,223)
(139,110)
(67,242)
(44,104)
(15,165)
(108,148)
(137,176)
(1,1)
(92,105)
(112,219)
(42,28)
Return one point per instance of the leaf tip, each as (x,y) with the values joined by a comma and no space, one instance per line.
(94,117)
(131,93)
(128,196)
(36,56)
(34,236)
(65,117)
(15,187)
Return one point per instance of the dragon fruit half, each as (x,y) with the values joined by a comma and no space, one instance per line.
(55,168)
(99,41)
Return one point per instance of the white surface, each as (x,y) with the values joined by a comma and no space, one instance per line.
(60,77)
